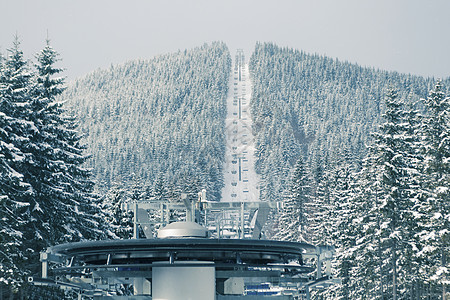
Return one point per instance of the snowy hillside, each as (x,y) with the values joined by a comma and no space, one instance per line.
(315,107)
(160,121)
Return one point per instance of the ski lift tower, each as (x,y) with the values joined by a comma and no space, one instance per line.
(189,261)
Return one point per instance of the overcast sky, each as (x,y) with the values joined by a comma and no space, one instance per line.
(409,36)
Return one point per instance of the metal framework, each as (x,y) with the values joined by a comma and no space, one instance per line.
(97,269)
(243,268)
(247,218)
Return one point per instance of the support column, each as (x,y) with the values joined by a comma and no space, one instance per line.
(44,264)
(242,221)
(141,286)
(135,221)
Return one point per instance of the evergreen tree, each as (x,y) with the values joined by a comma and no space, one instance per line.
(436,227)
(292,219)
(320,208)
(15,132)
(362,239)
(62,207)
(13,192)
(119,221)
(343,191)
(46,194)
(388,227)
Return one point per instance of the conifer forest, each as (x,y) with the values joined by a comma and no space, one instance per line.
(358,158)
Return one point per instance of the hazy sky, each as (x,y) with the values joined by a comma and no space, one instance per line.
(409,36)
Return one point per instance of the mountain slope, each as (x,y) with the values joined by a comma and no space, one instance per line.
(159,121)
(315,106)
(162,121)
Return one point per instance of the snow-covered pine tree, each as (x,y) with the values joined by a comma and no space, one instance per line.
(341,179)
(68,211)
(292,219)
(15,194)
(360,241)
(413,262)
(394,187)
(12,194)
(320,195)
(436,147)
(319,208)
(160,192)
(42,156)
(15,92)
(119,221)
(320,213)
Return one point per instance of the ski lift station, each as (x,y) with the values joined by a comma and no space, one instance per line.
(216,253)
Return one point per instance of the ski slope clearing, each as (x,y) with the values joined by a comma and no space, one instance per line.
(240,178)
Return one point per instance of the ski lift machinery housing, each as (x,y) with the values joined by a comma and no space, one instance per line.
(215,259)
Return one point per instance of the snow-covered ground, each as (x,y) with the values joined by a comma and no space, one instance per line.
(241,181)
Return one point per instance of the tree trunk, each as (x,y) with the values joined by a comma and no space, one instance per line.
(394,272)
(380,261)
(443,281)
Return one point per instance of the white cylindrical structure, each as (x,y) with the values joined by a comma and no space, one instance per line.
(183,281)
(183,230)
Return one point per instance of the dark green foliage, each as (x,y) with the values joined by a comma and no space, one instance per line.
(45,193)
(387,240)
(292,219)
(120,222)
(397,211)
(435,204)
(62,207)
(16,130)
